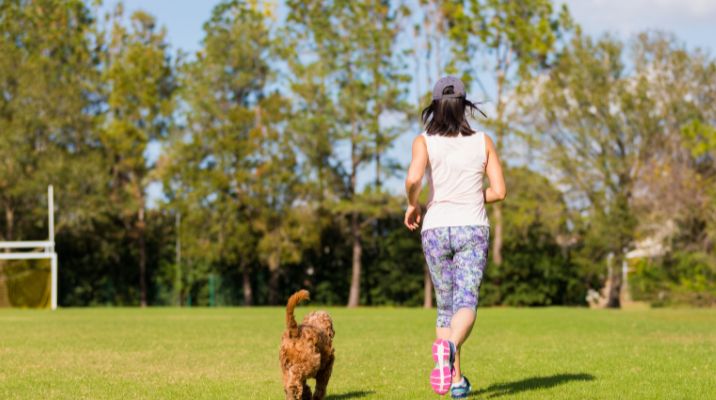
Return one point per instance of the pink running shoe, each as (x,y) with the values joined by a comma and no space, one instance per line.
(444,356)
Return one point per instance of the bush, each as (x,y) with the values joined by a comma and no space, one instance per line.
(680,278)
(535,271)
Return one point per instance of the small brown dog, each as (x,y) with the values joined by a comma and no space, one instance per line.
(306,351)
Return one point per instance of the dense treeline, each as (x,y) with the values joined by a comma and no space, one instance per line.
(276,149)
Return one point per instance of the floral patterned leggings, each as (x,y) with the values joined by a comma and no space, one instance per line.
(456,257)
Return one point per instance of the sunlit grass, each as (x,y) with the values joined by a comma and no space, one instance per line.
(382,353)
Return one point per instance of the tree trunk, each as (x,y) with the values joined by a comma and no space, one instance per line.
(273,288)
(274,275)
(10,224)
(354,296)
(378,183)
(365,272)
(142,248)
(614,289)
(9,228)
(246,286)
(497,240)
(4,296)
(427,288)
(178,276)
(378,232)
(500,132)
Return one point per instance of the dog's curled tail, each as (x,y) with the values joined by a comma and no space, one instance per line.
(296,298)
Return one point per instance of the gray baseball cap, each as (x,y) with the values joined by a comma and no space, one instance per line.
(458,88)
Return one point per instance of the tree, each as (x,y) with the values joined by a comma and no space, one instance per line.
(514,40)
(674,194)
(674,187)
(280,214)
(356,43)
(603,131)
(230,166)
(313,134)
(139,87)
(48,81)
(537,269)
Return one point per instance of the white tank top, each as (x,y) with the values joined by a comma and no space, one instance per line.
(455,169)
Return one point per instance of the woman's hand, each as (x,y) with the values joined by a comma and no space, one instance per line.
(413,215)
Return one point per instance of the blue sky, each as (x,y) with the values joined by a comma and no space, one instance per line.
(693,21)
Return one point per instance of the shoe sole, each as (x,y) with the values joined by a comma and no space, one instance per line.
(441,376)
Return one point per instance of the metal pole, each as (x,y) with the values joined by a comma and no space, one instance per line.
(212,298)
(178,278)
(53,262)
(51,235)
(51,215)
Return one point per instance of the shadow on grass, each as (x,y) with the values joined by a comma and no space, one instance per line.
(533,383)
(350,395)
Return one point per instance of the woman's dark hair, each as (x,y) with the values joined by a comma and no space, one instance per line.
(448,116)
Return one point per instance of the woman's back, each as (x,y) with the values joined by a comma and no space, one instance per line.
(456,166)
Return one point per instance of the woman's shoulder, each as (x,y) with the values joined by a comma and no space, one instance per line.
(420,137)
(488,139)
(420,141)
(480,135)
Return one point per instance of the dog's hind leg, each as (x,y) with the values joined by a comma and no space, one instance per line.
(322,379)
(294,386)
(294,391)
(306,392)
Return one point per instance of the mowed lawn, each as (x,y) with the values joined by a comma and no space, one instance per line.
(382,353)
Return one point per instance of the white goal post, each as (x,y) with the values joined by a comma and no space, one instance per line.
(42,249)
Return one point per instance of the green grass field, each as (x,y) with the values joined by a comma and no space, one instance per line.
(382,353)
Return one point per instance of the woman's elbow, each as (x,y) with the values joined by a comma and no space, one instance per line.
(501,194)
(412,181)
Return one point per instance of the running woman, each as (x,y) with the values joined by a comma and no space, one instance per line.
(455,230)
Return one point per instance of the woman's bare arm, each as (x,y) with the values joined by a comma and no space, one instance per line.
(497,191)
(414,182)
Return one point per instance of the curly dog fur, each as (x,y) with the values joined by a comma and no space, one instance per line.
(306,351)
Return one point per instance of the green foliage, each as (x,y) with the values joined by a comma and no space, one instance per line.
(48,85)
(700,137)
(504,43)
(615,134)
(536,269)
(394,267)
(139,84)
(355,79)
(600,134)
(48,81)
(229,170)
(681,278)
